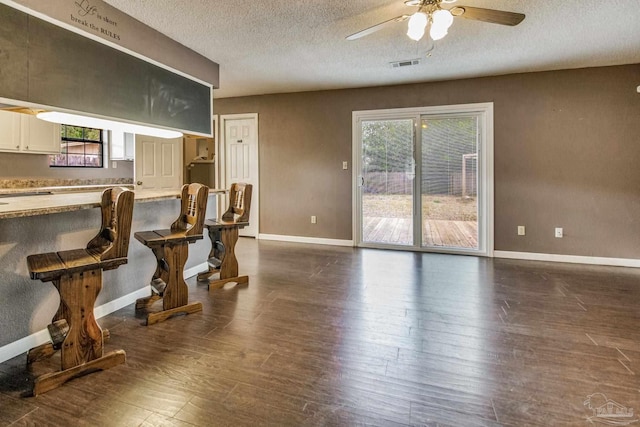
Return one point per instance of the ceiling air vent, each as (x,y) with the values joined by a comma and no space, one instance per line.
(405,63)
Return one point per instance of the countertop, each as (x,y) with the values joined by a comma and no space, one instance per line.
(67,201)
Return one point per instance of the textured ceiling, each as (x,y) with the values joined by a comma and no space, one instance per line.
(276,46)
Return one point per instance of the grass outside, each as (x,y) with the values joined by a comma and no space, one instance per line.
(450,208)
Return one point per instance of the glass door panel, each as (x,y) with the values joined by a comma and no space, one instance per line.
(449,181)
(388,171)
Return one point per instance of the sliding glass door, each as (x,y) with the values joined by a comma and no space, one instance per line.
(449,181)
(423,179)
(387,181)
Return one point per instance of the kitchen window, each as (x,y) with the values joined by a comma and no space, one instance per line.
(80,148)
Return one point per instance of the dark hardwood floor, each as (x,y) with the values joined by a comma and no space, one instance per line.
(340,336)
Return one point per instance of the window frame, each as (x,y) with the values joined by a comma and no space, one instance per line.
(64,145)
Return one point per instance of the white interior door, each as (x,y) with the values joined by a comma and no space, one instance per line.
(158,163)
(241,161)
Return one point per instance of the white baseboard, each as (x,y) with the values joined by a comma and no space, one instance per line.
(118,303)
(15,348)
(573,259)
(190,272)
(301,239)
(22,345)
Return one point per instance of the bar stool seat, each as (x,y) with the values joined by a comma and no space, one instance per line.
(223,234)
(48,266)
(77,275)
(171,249)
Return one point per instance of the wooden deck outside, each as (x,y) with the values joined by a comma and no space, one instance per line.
(398,231)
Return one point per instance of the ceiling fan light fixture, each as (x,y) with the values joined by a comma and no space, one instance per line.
(417,24)
(442,18)
(437,33)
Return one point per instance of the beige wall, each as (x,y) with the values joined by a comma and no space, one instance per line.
(567,154)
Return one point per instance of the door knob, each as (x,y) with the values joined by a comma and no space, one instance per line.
(139,183)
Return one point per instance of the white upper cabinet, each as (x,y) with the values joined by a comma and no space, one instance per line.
(38,136)
(27,134)
(9,131)
(122,145)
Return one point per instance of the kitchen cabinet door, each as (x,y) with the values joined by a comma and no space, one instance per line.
(116,145)
(122,145)
(129,146)
(9,131)
(38,136)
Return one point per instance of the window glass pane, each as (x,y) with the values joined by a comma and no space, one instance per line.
(449,182)
(75,147)
(58,160)
(76,160)
(92,148)
(93,134)
(74,132)
(388,174)
(93,154)
(79,147)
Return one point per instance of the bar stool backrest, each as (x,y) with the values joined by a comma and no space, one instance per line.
(112,241)
(239,203)
(193,209)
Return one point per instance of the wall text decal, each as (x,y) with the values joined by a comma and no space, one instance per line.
(90,17)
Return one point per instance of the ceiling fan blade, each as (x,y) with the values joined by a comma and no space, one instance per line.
(488,15)
(377,27)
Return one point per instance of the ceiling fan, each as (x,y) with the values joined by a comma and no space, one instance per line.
(430,13)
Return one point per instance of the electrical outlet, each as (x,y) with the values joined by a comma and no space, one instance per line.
(114,165)
(559,232)
(521,230)
(314,219)
(345,165)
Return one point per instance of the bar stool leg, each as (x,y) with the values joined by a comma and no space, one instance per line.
(216,255)
(177,293)
(83,342)
(82,349)
(175,299)
(229,266)
(226,238)
(47,350)
(161,274)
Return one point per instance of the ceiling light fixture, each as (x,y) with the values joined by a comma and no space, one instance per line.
(96,123)
(417,24)
(431,14)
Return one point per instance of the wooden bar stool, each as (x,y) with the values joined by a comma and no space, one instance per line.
(224,235)
(171,248)
(77,275)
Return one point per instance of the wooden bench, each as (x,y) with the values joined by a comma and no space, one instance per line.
(223,234)
(171,249)
(77,275)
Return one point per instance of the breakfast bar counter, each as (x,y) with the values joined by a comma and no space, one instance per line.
(32,222)
(48,201)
